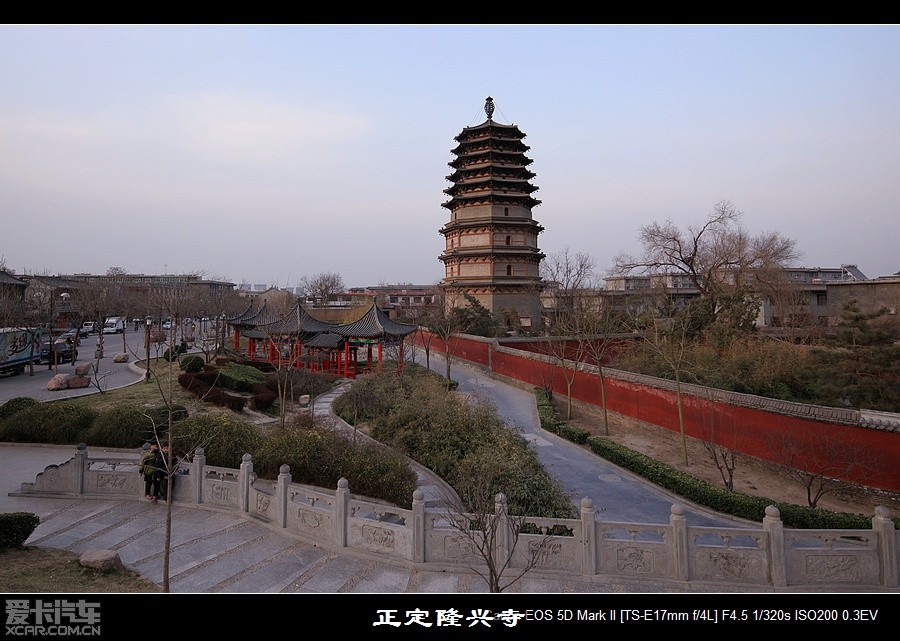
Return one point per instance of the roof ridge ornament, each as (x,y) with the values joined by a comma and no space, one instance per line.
(489,107)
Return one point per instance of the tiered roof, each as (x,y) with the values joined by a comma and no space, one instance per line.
(375,324)
(315,333)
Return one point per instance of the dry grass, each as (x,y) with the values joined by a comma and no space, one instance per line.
(751,476)
(33,569)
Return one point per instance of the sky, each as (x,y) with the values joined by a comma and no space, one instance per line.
(268,153)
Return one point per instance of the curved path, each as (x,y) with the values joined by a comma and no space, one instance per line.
(618,495)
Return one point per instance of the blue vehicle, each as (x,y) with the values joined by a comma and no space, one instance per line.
(19,347)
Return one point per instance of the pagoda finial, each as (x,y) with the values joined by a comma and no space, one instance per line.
(489,107)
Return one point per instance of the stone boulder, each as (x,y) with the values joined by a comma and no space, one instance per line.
(83,369)
(58,382)
(79,382)
(120,358)
(104,560)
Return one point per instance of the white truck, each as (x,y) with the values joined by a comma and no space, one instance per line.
(18,348)
(114,325)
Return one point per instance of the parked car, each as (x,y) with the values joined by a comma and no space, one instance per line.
(58,352)
(69,335)
(88,327)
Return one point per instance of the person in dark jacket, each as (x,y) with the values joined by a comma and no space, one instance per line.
(152,464)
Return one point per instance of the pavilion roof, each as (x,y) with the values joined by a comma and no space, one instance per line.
(374,324)
(325,340)
(239,318)
(263,316)
(298,321)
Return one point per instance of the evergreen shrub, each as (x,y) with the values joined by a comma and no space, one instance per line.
(57,422)
(16,527)
(16,404)
(224,438)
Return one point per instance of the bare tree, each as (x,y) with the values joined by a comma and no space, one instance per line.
(719,259)
(567,274)
(719,436)
(667,336)
(481,516)
(444,322)
(568,350)
(322,287)
(822,464)
(597,331)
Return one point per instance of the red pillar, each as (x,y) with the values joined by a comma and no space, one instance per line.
(251,348)
(379,356)
(346,359)
(400,364)
(237,339)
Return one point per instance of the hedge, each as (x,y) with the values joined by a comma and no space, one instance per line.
(16,527)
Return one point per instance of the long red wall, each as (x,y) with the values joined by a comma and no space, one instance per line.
(764,428)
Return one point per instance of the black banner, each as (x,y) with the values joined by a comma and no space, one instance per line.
(452,615)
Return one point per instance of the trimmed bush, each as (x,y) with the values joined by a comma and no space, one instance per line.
(16,527)
(192,363)
(160,414)
(58,422)
(323,457)
(240,378)
(122,426)
(16,404)
(263,396)
(224,439)
(720,499)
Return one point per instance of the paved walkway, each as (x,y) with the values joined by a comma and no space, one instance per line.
(220,552)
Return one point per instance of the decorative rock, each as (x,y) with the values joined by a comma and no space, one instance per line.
(104,560)
(82,369)
(79,382)
(120,358)
(58,382)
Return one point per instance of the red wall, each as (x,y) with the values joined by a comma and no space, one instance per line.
(859,454)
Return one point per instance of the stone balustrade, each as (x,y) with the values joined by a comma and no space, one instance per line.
(754,557)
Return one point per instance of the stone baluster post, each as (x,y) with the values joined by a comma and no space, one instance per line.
(504,536)
(588,537)
(681,549)
(281,492)
(887,546)
(245,477)
(418,527)
(341,512)
(775,533)
(81,465)
(197,465)
(144,448)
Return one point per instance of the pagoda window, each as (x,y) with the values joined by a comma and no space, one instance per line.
(507,240)
(509,270)
(506,211)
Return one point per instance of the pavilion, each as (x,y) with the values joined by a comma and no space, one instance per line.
(298,339)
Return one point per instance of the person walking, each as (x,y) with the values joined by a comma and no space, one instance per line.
(152,467)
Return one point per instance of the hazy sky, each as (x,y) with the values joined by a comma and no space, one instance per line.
(263,154)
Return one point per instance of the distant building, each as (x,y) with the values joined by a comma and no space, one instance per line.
(870,296)
(491,250)
(800,298)
(12,300)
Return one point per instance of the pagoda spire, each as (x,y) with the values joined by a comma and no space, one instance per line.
(489,107)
